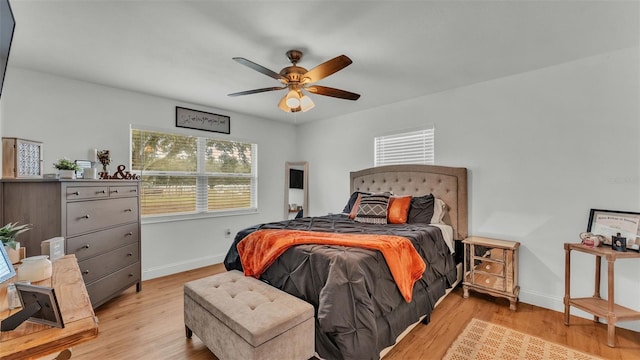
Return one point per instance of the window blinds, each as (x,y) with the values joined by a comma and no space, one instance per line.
(415,147)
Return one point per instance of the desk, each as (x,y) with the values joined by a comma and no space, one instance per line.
(31,340)
(595,305)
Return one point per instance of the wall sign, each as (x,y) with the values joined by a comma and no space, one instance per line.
(200,120)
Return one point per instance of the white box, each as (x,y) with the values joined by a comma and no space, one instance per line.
(53,247)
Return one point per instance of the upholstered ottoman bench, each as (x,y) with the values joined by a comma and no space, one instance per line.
(239,317)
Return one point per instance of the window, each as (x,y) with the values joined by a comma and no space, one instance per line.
(183,174)
(414,147)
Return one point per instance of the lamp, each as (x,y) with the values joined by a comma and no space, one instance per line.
(306,103)
(293,99)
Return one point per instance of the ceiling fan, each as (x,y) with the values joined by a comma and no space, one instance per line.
(297,79)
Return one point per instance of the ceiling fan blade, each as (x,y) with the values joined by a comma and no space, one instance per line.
(337,93)
(261,69)
(326,68)
(255,91)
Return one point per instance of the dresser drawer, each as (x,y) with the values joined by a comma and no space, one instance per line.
(87,192)
(101,265)
(117,191)
(89,245)
(107,287)
(93,215)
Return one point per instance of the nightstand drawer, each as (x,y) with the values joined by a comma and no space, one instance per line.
(489,267)
(488,281)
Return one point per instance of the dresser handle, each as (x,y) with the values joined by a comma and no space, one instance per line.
(130,254)
(85,217)
(128,210)
(102,192)
(86,246)
(134,190)
(128,234)
(130,274)
(115,191)
(75,193)
(85,272)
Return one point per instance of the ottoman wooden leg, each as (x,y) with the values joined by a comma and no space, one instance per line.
(188,332)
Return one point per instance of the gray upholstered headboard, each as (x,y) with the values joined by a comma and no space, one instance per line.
(446,183)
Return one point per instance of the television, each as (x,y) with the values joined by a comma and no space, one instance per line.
(296,179)
(7,26)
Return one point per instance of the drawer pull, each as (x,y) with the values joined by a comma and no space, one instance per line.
(75,193)
(128,234)
(86,272)
(487,281)
(134,190)
(488,267)
(101,192)
(86,246)
(85,217)
(130,254)
(130,274)
(128,210)
(115,191)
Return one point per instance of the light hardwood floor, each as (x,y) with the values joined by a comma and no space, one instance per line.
(149,325)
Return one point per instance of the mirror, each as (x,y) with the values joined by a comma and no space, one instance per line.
(296,189)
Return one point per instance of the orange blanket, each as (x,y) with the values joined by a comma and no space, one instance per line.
(261,248)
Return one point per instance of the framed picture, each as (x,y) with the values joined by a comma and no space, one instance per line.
(6,267)
(44,299)
(609,223)
(200,120)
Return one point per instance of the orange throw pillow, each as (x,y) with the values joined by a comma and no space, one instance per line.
(354,209)
(398,209)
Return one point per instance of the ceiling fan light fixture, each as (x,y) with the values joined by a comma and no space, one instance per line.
(306,103)
(293,99)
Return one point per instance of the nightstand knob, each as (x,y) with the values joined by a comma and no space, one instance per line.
(487,281)
(488,267)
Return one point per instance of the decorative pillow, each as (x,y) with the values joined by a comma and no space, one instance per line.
(439,211)
(352,200)
(354,208)
(373,209)
(398,209)
(421,210)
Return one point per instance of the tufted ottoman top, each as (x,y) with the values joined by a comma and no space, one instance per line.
(253,309)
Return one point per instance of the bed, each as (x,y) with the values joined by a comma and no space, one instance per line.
(360,311)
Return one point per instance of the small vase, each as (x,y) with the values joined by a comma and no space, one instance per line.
(67,174)
(14,254)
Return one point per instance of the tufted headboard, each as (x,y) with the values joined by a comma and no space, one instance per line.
(446,183)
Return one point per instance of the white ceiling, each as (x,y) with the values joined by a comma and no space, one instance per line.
(400,49)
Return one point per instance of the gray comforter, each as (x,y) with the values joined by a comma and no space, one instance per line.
(359,309)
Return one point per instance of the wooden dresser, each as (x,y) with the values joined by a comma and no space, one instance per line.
(99,219)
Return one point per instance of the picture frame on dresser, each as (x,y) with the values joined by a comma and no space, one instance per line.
(609,223)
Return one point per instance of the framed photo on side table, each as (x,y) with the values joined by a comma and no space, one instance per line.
(611,222)
(200,120)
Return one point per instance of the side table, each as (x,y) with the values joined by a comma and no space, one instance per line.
(595,305)
(495,272)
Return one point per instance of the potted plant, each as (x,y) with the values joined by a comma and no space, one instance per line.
(67,168)
(8,234)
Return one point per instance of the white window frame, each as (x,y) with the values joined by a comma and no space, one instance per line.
(201,176)
(416,146)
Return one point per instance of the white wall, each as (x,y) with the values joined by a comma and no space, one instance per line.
(542,148)
(71,117)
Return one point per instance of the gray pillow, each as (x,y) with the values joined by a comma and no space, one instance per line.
(421,210)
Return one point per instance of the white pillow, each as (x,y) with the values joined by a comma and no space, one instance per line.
(439,211)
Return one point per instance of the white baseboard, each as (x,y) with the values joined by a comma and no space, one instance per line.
(173,268)
(557,304)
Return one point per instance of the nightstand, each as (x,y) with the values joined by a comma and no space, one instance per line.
(494,271)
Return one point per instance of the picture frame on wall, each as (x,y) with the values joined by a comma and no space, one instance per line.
(200,120)
(609,223)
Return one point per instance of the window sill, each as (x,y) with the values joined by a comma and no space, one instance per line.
(195,216)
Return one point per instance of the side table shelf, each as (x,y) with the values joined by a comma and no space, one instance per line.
(595,305)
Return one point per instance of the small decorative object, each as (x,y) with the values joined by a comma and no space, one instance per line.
(612,223)
(90,173)
(591,240)
(35,268)
(120,174)
(8,235)
(618,243)
(104,156)
(67,168)
(200,120)
(53,247)
(21,158)
(83,165)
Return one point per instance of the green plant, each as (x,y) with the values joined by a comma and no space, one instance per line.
(66,164)
(9,232)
